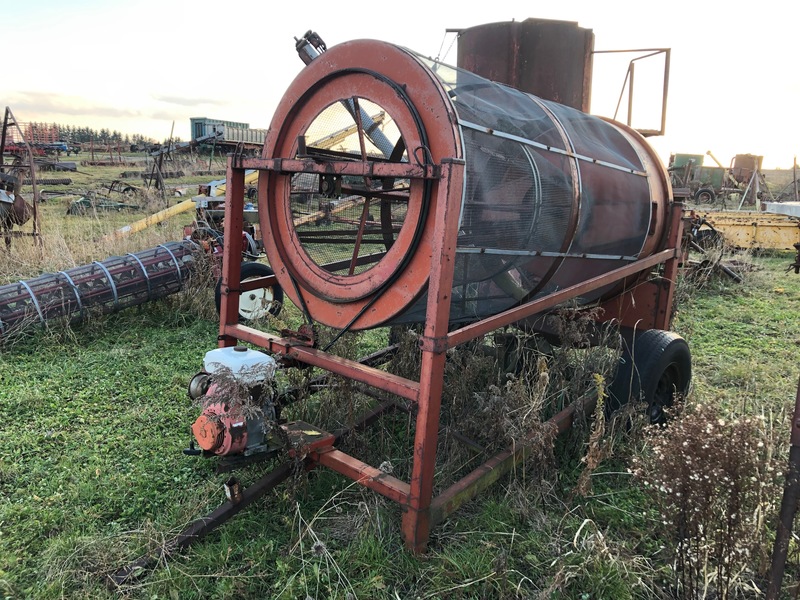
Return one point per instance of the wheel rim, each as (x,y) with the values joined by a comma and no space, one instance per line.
(668,385)
(255,304)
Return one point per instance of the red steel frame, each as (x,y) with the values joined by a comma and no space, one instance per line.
(647,305)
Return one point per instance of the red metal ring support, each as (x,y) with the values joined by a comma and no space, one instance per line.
(419,106)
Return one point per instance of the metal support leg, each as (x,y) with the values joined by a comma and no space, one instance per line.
(791,497)
(417,518)
(232,256)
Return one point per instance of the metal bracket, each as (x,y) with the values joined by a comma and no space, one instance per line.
(304,336)
(437,345)
(305,440)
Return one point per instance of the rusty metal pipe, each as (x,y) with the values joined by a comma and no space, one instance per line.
(497,466)
(201,527)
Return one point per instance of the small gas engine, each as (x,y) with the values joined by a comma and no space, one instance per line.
(237,388)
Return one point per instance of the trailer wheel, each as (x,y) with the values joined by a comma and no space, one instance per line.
(255,304)
(658,367)
(705,196)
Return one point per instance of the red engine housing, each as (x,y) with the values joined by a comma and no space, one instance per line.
(220,431)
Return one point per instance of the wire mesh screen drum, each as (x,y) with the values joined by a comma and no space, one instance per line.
(551,196)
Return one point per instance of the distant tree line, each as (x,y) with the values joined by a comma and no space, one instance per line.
(76,134)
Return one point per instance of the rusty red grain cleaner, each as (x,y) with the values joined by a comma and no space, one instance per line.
(473,207)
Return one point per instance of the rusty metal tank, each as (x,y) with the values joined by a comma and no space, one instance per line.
(551,196)
(552,59)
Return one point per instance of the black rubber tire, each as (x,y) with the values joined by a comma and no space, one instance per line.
(656,369)
(250,270)
(705,196)
(708,238)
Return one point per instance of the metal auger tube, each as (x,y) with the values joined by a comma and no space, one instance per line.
(104,286)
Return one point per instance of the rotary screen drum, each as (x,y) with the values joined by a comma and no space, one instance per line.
(551,196)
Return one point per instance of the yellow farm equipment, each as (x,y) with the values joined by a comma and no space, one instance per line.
(751,229)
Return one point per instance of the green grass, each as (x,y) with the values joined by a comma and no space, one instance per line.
(744,337)
(92,474)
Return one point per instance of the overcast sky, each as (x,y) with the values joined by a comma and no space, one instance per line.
(137,66)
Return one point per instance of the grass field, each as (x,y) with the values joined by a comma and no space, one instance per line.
(93,421)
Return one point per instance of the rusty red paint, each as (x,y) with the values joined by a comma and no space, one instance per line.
(382,380)
(364,474)
(377,170)
(416,520)
(232,262)
(305,439)
(425,117)
(470,332)
(551,59)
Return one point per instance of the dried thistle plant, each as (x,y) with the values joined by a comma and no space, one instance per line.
(598,447)
(712,480)
(196,296)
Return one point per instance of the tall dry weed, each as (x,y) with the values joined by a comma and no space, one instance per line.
(499,392)
(714,483)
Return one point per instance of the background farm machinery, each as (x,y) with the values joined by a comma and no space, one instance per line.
(716,184)
(759,218)
(14,209)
